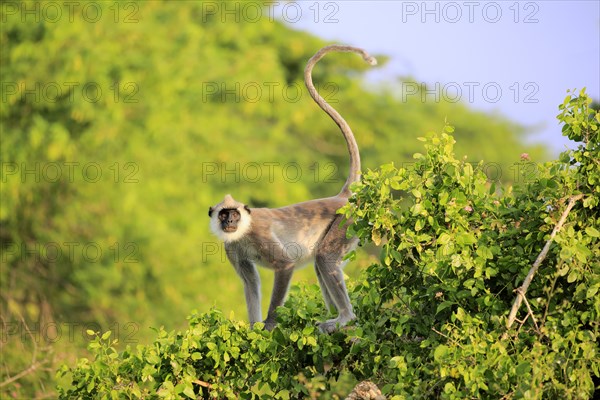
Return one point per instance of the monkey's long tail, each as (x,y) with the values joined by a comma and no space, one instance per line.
(354,173)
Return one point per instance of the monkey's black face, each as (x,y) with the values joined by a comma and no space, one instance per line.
(229,218)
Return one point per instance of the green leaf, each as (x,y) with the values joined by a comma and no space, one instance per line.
(465,238)
(582,252)
(484,252)
(592,290)
(573,276)
(563,271)
(443,305)
(523,368)
(444,238)
(189,391)
(440,353)
(153,359)
(419,224)
(308,330)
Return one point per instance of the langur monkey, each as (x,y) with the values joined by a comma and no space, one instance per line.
(283,239)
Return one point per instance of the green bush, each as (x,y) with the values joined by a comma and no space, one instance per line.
(433,314)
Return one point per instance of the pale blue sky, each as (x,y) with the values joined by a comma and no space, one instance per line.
(497,56)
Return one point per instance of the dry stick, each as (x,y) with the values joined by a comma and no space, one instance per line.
(529,311)
(202,383)
(541,257)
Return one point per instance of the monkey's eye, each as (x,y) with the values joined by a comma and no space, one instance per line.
(234,214)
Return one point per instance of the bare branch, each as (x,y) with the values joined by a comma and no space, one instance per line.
(540,258)
(33,365)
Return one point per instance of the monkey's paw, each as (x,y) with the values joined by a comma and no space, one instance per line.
(270,325)
(333,325)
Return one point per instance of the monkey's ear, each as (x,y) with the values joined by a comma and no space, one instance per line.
(210,211)
(247,208)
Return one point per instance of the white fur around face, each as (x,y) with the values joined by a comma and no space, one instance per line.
(242,229)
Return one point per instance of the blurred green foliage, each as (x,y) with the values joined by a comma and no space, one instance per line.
(122,122)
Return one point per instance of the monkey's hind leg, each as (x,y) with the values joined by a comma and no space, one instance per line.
(329,263)
(329,304)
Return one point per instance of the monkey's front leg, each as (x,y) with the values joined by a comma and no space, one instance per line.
(247,271)
(281,284)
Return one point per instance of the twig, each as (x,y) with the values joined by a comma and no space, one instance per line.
(529,311)
(447,337)
(540,258)
(21,374)
(550,293)
(202,383)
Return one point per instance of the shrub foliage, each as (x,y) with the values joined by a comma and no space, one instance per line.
(434,312)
